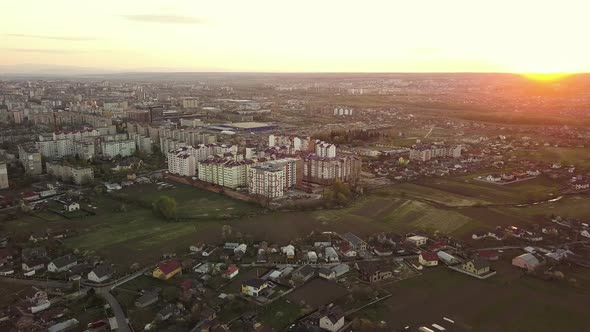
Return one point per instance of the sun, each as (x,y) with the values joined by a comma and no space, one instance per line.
(545,77)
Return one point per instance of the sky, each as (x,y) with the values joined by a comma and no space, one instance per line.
(540,36)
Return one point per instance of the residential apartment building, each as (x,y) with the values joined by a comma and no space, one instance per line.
(297,143)
(30,158)
(224,172)
(325,150)
(267,180)
(56,149)
(124,148)
(3,176)
(182,162)
(78,175)
(326,170)
(428,152)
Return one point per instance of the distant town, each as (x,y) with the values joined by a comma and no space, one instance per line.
(294,202)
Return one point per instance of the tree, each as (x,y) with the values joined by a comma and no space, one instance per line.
(165,206)
(338,194)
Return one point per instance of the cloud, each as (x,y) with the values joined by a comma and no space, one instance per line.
(74,39)
(165,19)
(41,50)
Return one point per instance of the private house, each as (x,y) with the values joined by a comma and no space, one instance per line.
(382,251)
(479,235)
(326,273)
(347,251)
(304,273)
(340,270)
(428,258)
(493,178)
(477,266)
(288,251)
(6,271)
(581,185)
(355,242)
(330,255)
(332,319)
(372,272)
(231,272)
(71,206)
(62,263)
(253,287)
(147,299)
(585,233)
(417,240)
(312,257)
(33,253)
(526,261)
(167,270)
(38,236)
(101,273)
(34,265)
(197,247)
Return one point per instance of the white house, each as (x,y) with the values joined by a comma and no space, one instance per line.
(417,240)
(73,206)
(32,266)
(101,273)
(333,319)
(585,233)
(62,264)
(493,178)
(288,251)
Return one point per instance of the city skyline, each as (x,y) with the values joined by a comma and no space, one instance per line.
(303,36)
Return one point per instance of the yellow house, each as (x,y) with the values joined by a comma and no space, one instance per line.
(167,270)
(477,266)
(253,287)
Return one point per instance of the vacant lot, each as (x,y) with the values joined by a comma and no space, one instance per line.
(317,292)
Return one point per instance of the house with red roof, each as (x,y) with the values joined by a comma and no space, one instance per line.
(231,272)
(167,270)
(428,258)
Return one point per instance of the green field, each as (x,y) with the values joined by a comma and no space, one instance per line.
(501,303)
(565,156)
(192,202)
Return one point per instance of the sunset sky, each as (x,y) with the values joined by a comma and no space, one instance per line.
(299,36)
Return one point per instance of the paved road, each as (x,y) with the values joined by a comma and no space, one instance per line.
(116,307)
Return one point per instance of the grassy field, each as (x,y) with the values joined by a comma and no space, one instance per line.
(502,303)
(192,202)
(566,156)
(454,206)
(478,192)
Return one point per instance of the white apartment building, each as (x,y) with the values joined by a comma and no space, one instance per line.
(297,143)
(267,180)
(223,172)
(123,148)
(325,150)
(182,162)
(56,149)
(190,102)
(428,152)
